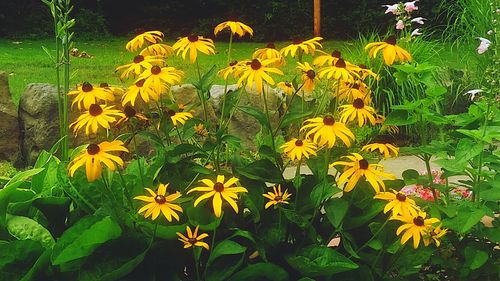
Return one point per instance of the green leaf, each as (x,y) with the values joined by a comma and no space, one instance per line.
(409,261)
(410,176)
(225,247)
(466,218)
(17,257)
(336,209)
(225,259)
(400,118)
(475,258)
(321,192)
(24,228)
(55,209)
(231,99)
(295,218)
(319,261)
(436,91)
(206,81)
(292,117)
(261,271)
(257,114)
(83,238)
(467,149)
(368,214)
(261,170)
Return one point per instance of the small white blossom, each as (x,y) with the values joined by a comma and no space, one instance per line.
(473,93)
(416,32)
(391,9)
(400,25)
(483,46)
(419,20)
(410,6)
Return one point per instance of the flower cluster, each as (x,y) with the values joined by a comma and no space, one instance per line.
(403,13)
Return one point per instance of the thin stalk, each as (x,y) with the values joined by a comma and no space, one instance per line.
(212,244)
(127,192)
(196,265)
(138,161)
(431,180)
(481,155)
(286,110)
(297,174)
(266,109)
(200,94)
(373,237)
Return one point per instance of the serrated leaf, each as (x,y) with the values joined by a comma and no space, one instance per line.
(24,228)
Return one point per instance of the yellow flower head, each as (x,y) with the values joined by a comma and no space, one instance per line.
(137,90)
(160,78)
(365,72)
(357,168)
(131,114)
(200,130)
(306,47)
(151,37)
(325,130)
(138,65)
(340,70)
(287,88)
(414,226)
(219,190)
(160,201)
(277,197)
(385,149)
(236,27)
(357,110)
(325,58)
(86,94)
(354,90)
(393,130)
(258,71)
(192,239)
(296,149)
(157,50)
(94,155)
(193,44)
(234,68)
(390,51)
(117,91)
(96,116)
(179,118)
(435,236)
(269,52)
(399,203)
(308,76)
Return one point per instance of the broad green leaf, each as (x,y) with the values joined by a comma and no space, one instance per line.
(40,265)
(409,261)
(257,114)
(467,149)
(261,271)
(292,117)
(436,91)
(400,118)
(295,218)
(336,209)
(261,170)
(466,218)
(225,247)
(321,192)
(475,258)
(410,176)
(17,257)
(24,228)
(206,81)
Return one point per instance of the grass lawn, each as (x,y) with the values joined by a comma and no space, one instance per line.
(26,62)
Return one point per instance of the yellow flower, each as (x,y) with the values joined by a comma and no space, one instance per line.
(359,167)
(287,87)
(131,113)
(269,52)
(179,117)
(86,94)
(235,69)
(296,148)
(192,238)
(308,77)
(305,47)
(257,71)
(384,148)
(157,50)
(160,201)
(138,90)
(341,70)
(393,130)
(96,116)
(399,203)
(94,155)
(390,51)
(151,37)
(193,44)
(139,64)
(219,190)
(325,58)
(325,130)
(200,130)
(236,27)
(358,110)
(434,236)
(364,72)
(115,90)
(354,90)
(414,226)
(276,197)
(160,78)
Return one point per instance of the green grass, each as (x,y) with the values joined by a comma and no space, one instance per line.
(26,62)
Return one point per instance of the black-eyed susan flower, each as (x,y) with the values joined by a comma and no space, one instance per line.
(235,27)
(340,70)
(151,37)
(357,168)
(357,110)
(219,190)
(435,236)
(94,155)
(117,91)
(157,49)
(301,46)
(351,90)
(138,90)
(325,130)
(399,203)
(234,69)
(160,78)
(138,65)
(297,148)
(258,71)
(269,52)
(86,94)
(309,77)
(192,239)
(194,44)
(160,202)
(390,51)
(286,87)
(325,58)
(179,117)
(200,130)
(131,114)
(277,197)
(414,227)
(96,116)
(365,72)
(393,130)
(385,149)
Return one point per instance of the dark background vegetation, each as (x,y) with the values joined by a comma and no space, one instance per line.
(271,19)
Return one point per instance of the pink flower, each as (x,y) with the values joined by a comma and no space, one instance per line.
(416,32)
(400,25)
(392,9)
(410,6)
(419,20)
(483,46)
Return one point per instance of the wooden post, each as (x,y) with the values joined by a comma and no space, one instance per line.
(317,18)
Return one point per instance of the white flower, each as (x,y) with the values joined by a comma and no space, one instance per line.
(473,93)
(410,6)
(419,20)
(416,32)
(483,46)
(400,25)
(391,9)
(490,32)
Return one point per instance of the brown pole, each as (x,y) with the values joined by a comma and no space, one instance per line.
(317,18)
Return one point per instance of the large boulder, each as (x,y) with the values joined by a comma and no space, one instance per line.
(39,120)
(9,125)
(187,94)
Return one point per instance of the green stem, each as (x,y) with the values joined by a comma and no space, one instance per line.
(481,155)
(201,95)
(138,161)
(266,109)
(286,111)
(373,237)
(297,174)
(196,265)
(431,180)
(212,244)
(127,192)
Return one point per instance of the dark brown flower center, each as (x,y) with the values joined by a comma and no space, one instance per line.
(193,38)
(104,85)
(138,59)
(171,112)
(358,103)
(140,83)
(401,197)
(288,84)
(95,109)
(155,70)
(328,120)
(419,221)
(271,46)
(87,87)
(391,40)
(355,86)
(219,187)
(278,198)
(336,54)
(160,199)
(192,240)
(311,74)
(340,63)
(93,149)
(299,143)
(233,63)
(363,164)
(297,41)
(432,233)
(129,111)
(255,64)
(362,66)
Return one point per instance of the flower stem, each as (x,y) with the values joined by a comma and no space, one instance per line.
(196,265)
(286,111)
(138,161)
(481,155)
(427,159)
(200,94)
(373,237)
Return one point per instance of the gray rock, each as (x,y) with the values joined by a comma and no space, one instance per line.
(187,94)
(9,125)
